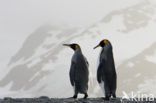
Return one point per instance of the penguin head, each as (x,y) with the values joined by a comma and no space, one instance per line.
(102,43)
(73,46)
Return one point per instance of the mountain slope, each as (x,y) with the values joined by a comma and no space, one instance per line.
(41,66)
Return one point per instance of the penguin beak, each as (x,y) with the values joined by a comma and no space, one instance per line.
(66,45)
(96,46)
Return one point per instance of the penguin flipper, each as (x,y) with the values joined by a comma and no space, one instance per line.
(72,73)
(86,61)
(99,73)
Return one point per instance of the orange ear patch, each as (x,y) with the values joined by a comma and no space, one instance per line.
(105,41)
(76,46)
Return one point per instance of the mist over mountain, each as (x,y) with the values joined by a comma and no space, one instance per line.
(41,65)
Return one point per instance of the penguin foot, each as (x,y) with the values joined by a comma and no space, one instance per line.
(114,96)
(75,96)
(86,95)
(106,98)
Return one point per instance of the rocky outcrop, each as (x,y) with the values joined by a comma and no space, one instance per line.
(68,100)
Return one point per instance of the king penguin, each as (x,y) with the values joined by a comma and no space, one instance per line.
(78,71)
(106,73)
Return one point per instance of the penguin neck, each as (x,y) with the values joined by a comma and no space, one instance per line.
(78,50)
(76,54)
(101,50)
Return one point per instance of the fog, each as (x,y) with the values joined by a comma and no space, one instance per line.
(19,18)
(29,44)
(24,16)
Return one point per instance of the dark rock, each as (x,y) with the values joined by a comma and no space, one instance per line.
(44,99)
(7,98)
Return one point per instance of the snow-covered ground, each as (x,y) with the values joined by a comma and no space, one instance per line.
(37,64)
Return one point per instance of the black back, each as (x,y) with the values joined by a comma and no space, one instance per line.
(79,72)
(106,69)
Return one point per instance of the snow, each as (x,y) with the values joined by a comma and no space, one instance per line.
(55,59)
(151,58)
(138,75)
(130,64)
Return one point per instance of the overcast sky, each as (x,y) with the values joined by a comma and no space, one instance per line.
(19,18)
(22,16)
